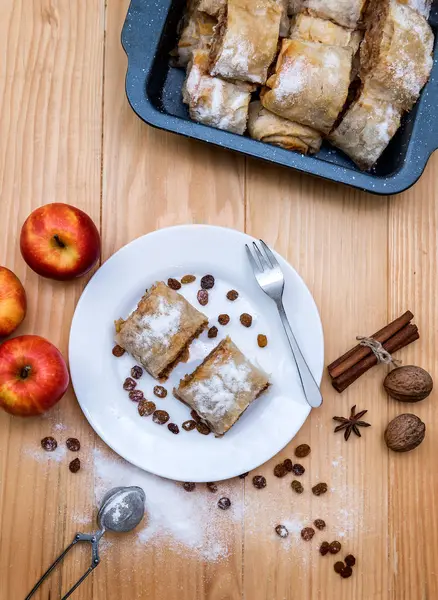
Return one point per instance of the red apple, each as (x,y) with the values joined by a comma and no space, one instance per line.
(60,241)
(12,302)
(33,375)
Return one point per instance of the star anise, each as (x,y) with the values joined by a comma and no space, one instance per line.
(352,423)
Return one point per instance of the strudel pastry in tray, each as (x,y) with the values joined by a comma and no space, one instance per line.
(197,33)
(347,13)
(313,29)
(222,387)
(158,333)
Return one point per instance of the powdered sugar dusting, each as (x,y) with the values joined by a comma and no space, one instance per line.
(162,325)
(42,456)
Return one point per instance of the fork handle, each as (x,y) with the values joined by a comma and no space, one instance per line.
(310,387)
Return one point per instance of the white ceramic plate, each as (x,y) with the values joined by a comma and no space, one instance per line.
(270,422)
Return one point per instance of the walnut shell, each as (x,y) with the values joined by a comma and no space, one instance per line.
(408,384)
(405,433)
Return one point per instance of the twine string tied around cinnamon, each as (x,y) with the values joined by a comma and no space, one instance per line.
(382,355)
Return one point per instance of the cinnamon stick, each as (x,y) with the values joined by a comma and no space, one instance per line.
(356,354)
(402,338)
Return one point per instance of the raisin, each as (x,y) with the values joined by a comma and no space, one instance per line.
(136,372)
(335,547)
(212,332)
(302,451)
(160,417)
(173,428)
(160,391)
(262,340)
(259,482)
(297,487)
(243,475)
(224,503)
(350,561)
(288,465)
(280,470)
(307,533)
(282,531)
(346,572)
(338,567)
(324,548)
(49,444)
(319,524)
(136,395)
(174,284)
(223,319)
(73,444)
(118,351)
(75,465)
(207,282)
(320,488)
(129,384)
(298,469)
(188,425)
(188,279)
(195,416)
(189,486)
(146,408)
(203,428)
(246,320)
(212,486)
(202,297)
(232,295)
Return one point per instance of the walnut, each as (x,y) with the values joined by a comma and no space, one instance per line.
(405,433)
(408,384)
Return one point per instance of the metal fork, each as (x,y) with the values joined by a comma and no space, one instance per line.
(270,278)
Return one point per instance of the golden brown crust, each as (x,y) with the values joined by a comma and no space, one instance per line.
(347,13)
(314,29)
(197,33)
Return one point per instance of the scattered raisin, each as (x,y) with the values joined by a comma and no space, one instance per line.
(129,384)
(350,561)
(188,425)
(207,282)
(346,572)
(136,395)
(202,297)
(174,284)
(335,547)
(319,488)
(146,408)
(302,451)
(160,417)
(324,548)
(282,531)
(195,416)
(223,319)
(338,567)
(246,320)
(189,486)
(203,428)
(49,444)
(173,427)
(262,340)
(188,279)
(136,372)
(212,486)
(280,470)
(75,465)
(160,391)
(212,332)
(288,464)
(319,524)
(118,351)
(243,475)
(259,482)
(297,487)
(224,503)
(232,295)
(307,533)
(73,444)
(298,469)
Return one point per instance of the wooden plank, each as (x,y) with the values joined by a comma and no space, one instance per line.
(413,478)
(337,240)
(50,150)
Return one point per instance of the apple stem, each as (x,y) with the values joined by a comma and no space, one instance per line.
(25,372)
(58,241)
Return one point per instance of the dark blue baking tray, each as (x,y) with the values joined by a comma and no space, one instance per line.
(153,88)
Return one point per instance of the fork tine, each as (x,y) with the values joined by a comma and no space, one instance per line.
(270,255)
(263,262)
(253,262)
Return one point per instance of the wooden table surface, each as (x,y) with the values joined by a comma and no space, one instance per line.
(67,134)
